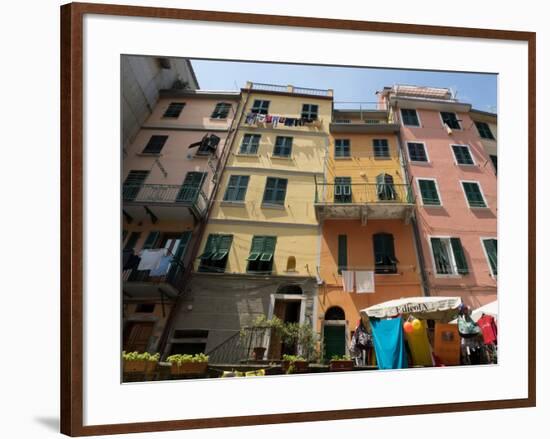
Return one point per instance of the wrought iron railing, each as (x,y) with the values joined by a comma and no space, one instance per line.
(359,193)
(240,346)
(189,195)
(360,106)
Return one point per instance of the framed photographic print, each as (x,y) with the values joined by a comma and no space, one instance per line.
(272,219)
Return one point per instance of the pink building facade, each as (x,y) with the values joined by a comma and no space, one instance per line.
(169,176)
(456,191)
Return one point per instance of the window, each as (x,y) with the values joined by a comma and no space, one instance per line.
(342,148)
(473,194)
(450,120)
(260,107)
(484,130)
(260,259)
(417,152)
(250,144)
(145,307)
(275,191)
(342,189)
(342,253)
(132,241)
(151,240)
(384,253)
(190,187)
(155,145)
(495,162)
(174,110)
(221,111)
(490,247)
(463,156)
(236,188)
(448,256)
(283,146)
(381,148)
(214,257)
(133,184)
(429,192)
(385,190)
(207,145)
(310,111)
(410,117)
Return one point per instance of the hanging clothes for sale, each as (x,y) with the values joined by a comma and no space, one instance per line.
(389,343)
(419,345)
(488,327)
(361,345)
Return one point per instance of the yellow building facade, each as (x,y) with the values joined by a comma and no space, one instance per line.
(261,243)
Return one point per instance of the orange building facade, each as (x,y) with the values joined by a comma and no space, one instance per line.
(365,206)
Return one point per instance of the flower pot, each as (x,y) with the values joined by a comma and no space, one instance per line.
(259,353)
(299,366)
(340,365)
(139,366)
(189,368)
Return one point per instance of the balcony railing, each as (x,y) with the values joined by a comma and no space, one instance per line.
(359,193)
(289,89)
(240,346)
(165,194)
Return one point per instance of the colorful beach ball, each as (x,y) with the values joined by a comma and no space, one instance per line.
(408,327)
(416,324)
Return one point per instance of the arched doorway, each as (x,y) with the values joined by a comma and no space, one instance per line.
(334,333)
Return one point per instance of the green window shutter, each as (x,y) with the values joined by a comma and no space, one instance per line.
(132,241)
(210,247)
(491,249)
(223,246)
(151,240)
(342,252)
(462,155)
(428,190)
(256,248)
(384,251)
(269,249)
(473,194)
(441,258)
(460,258)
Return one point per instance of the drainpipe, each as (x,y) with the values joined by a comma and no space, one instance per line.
(232,133)
(414,223)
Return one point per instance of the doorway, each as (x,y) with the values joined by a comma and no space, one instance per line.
(289,311)
(334,333)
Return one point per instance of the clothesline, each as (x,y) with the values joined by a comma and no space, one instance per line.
(275,120)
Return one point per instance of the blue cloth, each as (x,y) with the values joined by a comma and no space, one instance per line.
(389,343)
(163,267)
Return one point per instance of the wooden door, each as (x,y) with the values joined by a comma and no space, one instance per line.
(137,335)
(447,344)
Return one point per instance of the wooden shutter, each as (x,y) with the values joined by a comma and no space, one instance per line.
(342,252)
(384,250)
(460,258)
(428,190)
(223,246)
(256,248)
(491,249)
(269,249)
(210,247)
(473,194)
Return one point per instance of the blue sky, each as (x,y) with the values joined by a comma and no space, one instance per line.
(349,83)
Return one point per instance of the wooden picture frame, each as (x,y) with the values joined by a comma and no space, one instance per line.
(72,263)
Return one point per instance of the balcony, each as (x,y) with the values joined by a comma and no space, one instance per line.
(364,201)
(145,284)
(276,88)
(361,117)
(163,201)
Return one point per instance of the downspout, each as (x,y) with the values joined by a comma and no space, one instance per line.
(220,167)
(414,223)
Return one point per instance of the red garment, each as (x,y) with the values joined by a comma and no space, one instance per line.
(488,328)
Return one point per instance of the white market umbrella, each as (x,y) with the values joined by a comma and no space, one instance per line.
(437,308)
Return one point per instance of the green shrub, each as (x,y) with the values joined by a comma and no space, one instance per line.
(137,356)
(187,358)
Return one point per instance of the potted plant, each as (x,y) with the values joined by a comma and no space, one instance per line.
(187,364)
(256,333)
(341,363)
(294,364)
(136,362)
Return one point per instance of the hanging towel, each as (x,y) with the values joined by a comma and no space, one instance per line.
(275,120)
(419,346)
(389,343)
(347,281)
(150,259)
(163,267)
(364,281)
